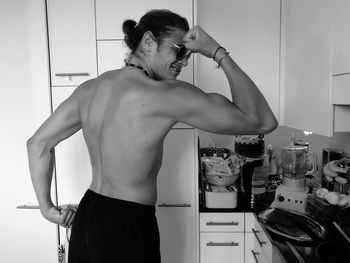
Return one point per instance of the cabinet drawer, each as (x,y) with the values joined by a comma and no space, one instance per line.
(221,247)
(222,222)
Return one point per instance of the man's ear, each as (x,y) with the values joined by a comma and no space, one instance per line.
(148,41)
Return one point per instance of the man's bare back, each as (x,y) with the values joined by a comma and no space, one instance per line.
(125,116)
(124,133)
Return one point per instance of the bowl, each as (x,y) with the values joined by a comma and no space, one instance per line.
(221,180)
(336,251)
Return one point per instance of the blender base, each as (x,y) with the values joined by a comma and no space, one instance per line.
(290,198)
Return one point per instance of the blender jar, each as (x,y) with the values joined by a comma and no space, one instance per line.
(294,168)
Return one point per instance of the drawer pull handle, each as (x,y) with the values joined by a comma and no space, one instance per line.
(72,74)
(28,207)
(255,254)
(174,205)
(222,223)
(261,243)
(222,244)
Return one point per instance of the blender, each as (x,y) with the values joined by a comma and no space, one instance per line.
(292,193)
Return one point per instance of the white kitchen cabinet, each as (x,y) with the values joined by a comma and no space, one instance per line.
(221,237)
(340,37)
(176,206)
(71,28)
(307,61)
(250,31)
(222,247)
(340,83)
(258,246)
(24,104)
(112,53)
(221,222)
(110,14)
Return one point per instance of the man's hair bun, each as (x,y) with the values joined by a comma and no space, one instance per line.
(128,26)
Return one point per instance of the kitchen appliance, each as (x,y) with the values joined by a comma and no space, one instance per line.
(293,192)
(250,149)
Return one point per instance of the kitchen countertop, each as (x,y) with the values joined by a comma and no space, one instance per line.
(303,252)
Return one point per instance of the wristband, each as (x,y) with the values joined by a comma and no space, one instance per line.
(219,56)
(216,51)
(219,62)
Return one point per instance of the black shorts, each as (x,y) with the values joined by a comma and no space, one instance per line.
(110,230)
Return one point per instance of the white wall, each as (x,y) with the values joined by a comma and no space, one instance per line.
(24,104)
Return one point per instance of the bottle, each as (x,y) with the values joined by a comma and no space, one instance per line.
(259,180)
(272,177)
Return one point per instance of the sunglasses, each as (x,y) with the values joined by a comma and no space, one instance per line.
(182,51)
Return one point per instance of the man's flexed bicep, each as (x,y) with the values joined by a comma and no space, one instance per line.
(211,112)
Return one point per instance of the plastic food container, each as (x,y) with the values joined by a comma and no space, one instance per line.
(221,199)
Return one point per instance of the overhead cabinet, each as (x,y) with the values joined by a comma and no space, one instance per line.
(340,89)
(317,65)
(72,43)
(341,37)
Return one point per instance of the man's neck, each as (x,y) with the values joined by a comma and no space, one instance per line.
(133,59)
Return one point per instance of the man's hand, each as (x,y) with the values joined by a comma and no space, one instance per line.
(60,215)
(197,40)
(332,169)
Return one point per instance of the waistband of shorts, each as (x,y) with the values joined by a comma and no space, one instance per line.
(114,203)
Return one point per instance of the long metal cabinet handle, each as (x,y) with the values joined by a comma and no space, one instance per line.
(174,205)
(28,207)
(261,243)
(72,74)
(232,223)
(222,244)
(295,252)
(255,256)
(347,238)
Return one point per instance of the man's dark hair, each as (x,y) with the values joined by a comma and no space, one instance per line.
(159,22)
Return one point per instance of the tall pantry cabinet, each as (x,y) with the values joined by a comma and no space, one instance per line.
(85,40)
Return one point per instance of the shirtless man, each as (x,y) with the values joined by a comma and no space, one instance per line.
(125,115)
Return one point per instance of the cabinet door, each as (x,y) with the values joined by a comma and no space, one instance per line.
(341,37)
(177,177)
(71,26)
(308,66)
(221,247)
(110,14)
(73,166)
(254,254)
(33,239)
(111,55)
(176,197)
(250,31)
